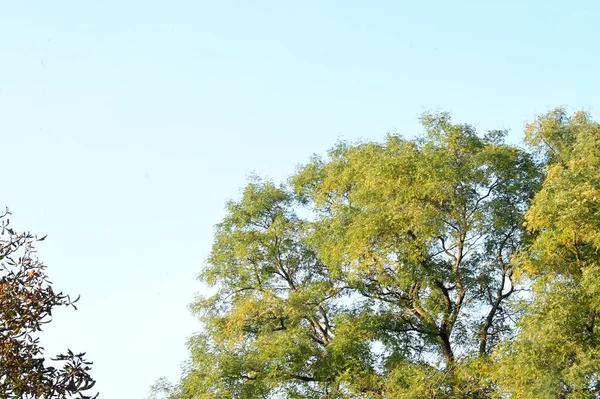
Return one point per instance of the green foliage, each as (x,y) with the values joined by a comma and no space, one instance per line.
(396,270)
(555,355)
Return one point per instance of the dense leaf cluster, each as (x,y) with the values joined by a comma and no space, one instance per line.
(26,303)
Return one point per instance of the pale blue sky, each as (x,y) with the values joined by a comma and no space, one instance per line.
(126,125)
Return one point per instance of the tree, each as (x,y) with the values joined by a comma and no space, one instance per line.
(556,353)
(26,303)
(383,270)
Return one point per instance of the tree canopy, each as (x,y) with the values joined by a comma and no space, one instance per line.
(452,265)
(26,303)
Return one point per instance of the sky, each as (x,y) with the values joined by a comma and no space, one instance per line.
(125,126)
